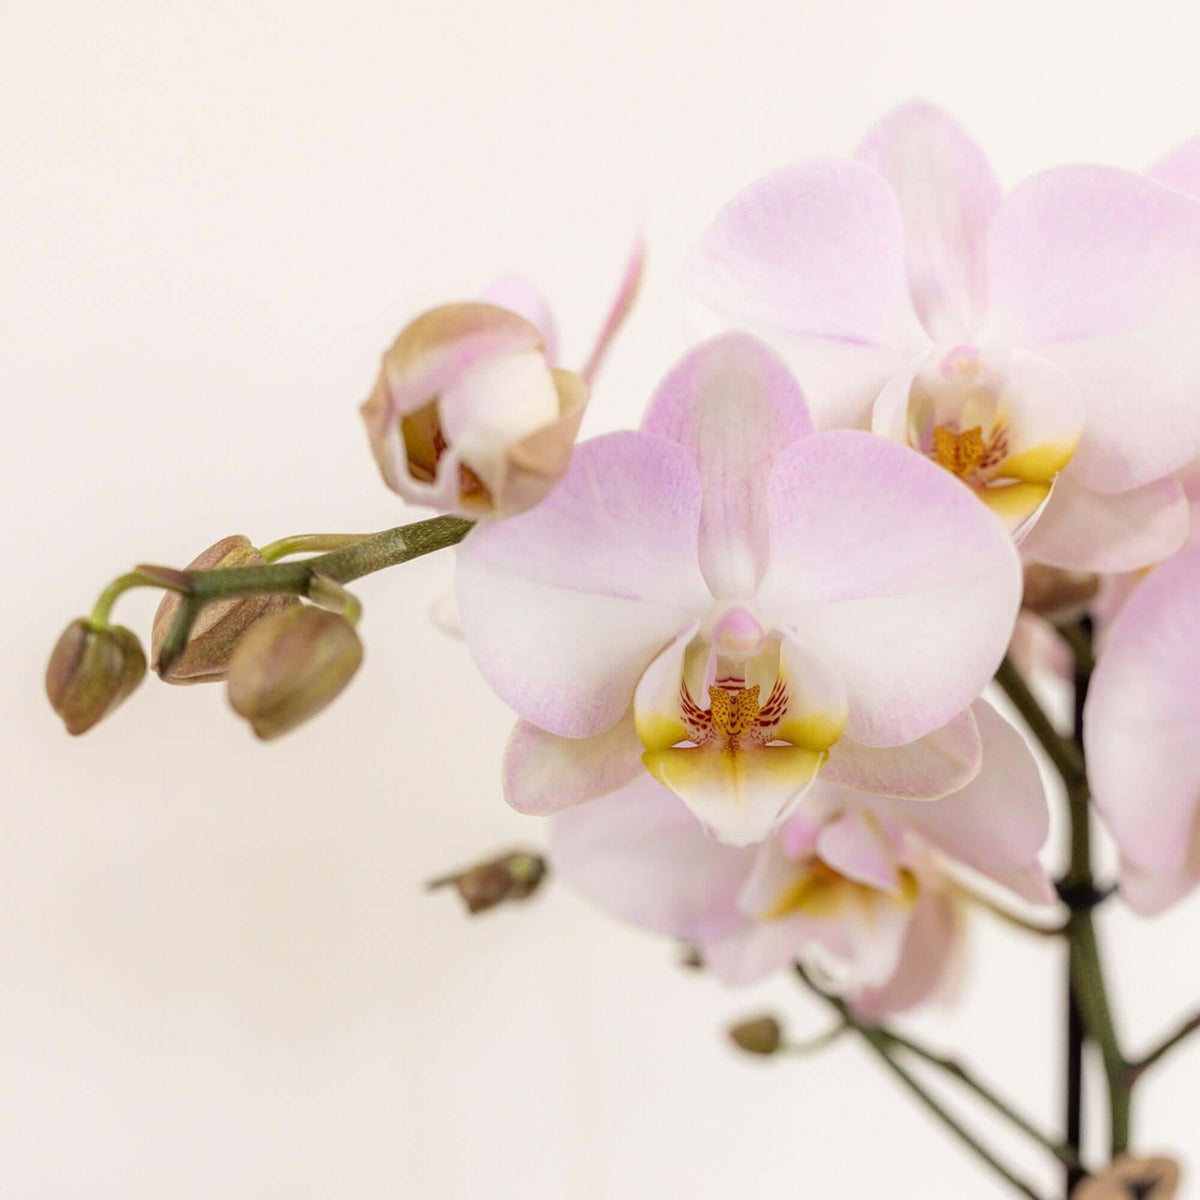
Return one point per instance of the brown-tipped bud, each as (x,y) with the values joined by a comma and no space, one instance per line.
(219,626)
(1131,1178)
(91,671)
(762,1035)
(290,665)
(514,876)
(1059,595)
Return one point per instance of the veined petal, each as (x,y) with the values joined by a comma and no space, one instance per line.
(948,195)
(811,258)
(1098,270)
(1082,530)
(929,768)
(659,718)
(544,773)
(898,577)
(855,846)
(1142,719)
(640,855)
(998,823)
(740,793)
(564,606)
(734,406)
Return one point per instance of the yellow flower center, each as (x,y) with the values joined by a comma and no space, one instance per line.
(734,712)
(959,453)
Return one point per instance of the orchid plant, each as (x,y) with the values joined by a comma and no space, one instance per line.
(930,441)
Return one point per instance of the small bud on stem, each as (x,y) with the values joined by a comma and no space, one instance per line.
(761,1035)
(219,626)
(90,672)
(290,665)
(513,876)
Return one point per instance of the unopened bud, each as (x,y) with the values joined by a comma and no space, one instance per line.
(762,1035)
(290,665)
(91,671)
(1059,595)
(1131,1178)
(467,414)
(219,626)
(514,876)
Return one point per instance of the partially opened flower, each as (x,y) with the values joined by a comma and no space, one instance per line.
(1141,731)
(731,600)
(470,414)
(854,883)
(1018,341)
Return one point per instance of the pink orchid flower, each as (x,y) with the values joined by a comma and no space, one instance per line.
(1035,343)
(854,883)
(732,601)
(470,413)
(1141,732)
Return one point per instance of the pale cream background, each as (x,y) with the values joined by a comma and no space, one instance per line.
(221,977)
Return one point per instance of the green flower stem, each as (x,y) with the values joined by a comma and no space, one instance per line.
(1063,753)
(884,1043)
(309,543)
(815,1044)
(1190,1026)
(1064,1153)
(1088,996)
(364,556)
(119,586)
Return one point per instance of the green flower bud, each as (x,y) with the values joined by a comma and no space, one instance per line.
(762,1035)
(219,626)
(91,671)
(290,665)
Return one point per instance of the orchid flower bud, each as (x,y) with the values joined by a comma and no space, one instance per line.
(290,665)
(91,670)
(467,415)
(761,1035)
(219,626)
(513,876)
(1131,1178)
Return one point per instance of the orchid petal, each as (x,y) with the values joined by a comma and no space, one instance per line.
(563,606)
(734,406)
(812,258)
(640,855)
(929,768)
(1142,719)
(1098,270)
(855,847)
(998,823)
(1082,530)
(948,195)
(544,773)
(1181,168)
(622,302)
(931,945)
(740,793)
(898,577)
(518,295)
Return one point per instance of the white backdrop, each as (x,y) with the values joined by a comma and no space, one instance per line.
(221,976)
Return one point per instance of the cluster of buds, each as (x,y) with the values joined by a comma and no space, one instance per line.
(284,660)
(513,876)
